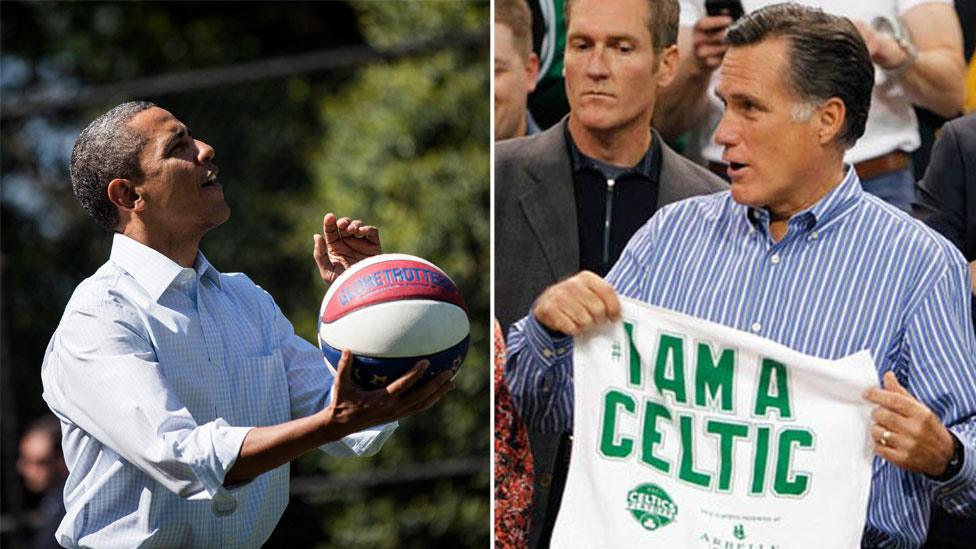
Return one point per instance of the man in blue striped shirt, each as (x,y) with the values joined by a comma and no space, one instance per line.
(798,253)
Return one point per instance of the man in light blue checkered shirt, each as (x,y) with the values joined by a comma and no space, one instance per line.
(183,392)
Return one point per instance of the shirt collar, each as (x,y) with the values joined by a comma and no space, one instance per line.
(646,167)
(206,271)
(825,211)
(152,270)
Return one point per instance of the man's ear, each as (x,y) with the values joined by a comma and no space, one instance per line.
(667,64)
(531,72)
(830,118)
(123,193)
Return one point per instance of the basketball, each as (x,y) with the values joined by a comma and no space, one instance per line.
(391,311)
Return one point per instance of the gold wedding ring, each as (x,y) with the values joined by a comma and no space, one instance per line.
(884,437)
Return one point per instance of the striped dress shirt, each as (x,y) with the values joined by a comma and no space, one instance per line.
(852,273)
(157,373)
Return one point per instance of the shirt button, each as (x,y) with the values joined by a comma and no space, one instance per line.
(547,382)
(813,235)
(547,353)
(774,259)
(756,327)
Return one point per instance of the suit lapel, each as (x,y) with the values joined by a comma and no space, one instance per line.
(669,186)
(681,179)
(550,203)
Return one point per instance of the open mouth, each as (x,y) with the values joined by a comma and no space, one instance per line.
(211,180)
(735,170)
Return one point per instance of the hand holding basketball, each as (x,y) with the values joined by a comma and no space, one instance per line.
(353,408)
(342,243)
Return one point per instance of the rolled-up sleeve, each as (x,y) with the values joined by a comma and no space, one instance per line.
(102,374)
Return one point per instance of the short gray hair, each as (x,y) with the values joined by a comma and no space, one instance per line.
(107,149)
(828,58)
(662,21)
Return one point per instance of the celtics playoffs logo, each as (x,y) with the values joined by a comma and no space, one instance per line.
(651,506)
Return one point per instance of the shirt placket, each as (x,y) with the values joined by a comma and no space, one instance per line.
(215,351)
(768,257)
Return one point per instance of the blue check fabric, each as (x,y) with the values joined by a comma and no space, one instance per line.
(157,373)
(852,273)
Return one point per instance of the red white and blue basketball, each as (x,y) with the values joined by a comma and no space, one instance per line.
(391,311)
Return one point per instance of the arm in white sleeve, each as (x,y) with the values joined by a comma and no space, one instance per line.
(101,374)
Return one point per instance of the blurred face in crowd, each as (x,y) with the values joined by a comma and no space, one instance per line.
(514,80)
(770,152)
(39,463)
(179,193)
(612,72)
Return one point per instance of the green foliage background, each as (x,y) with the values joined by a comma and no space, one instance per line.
(401,144)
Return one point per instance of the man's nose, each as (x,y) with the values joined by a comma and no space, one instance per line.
(726,133)
(596,63)
(204,152)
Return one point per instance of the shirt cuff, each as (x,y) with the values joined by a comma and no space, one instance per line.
(365,443)
(546,348)
(210,471)
(957,492)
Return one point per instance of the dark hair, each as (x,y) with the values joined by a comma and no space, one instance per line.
(515,14)
(107,149)
(50,427)
(662,21)
(828,58)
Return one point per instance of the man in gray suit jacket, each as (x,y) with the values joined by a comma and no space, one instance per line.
(570,198)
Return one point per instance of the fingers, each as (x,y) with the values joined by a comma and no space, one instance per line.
(343,376)
(902,404)
(430,398)
(712,24)
(327,269)
(708,40)
(891,383)
(605,292)
(330,227)
(885,444)
(355,228)
(406,381)
(884,436)
(885,418)
(577,304)
(337,229)
(711,54)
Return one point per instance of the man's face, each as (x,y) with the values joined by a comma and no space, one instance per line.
(769,152)
(179,187)
(38,463)
(514,80)
(611,69)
